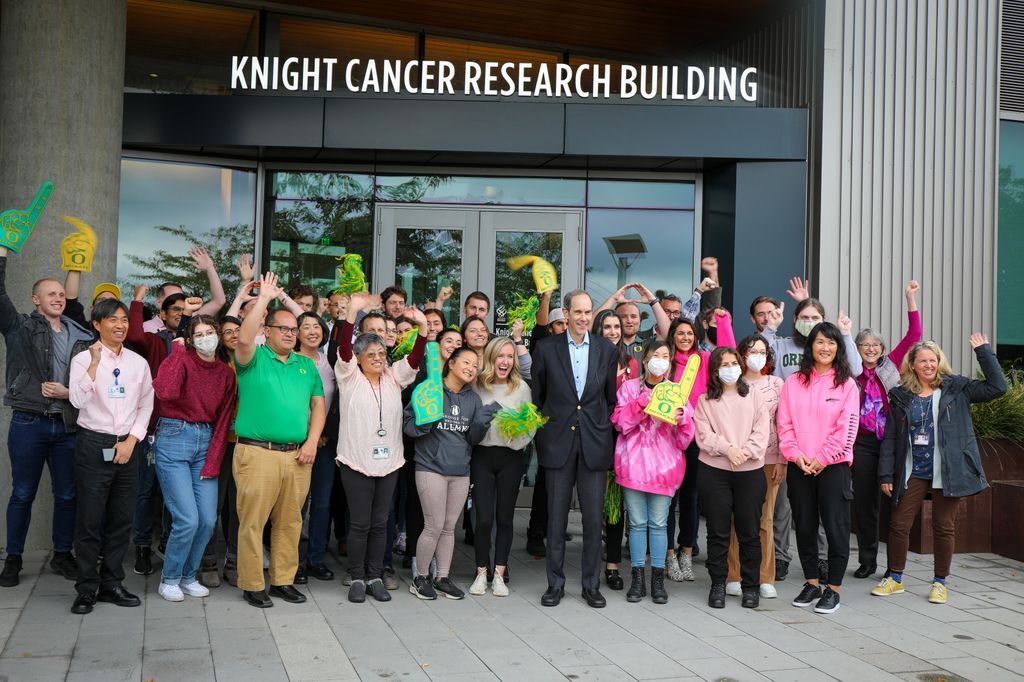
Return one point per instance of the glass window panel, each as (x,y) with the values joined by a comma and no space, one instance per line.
(185,47)
(426,260)
(508,283)
(165,208)
(341,186)
(637,194)
(653,247)
(1010,296)
(461,51)
(309,237)
(471,190)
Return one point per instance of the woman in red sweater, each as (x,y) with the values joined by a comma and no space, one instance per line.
(197,394)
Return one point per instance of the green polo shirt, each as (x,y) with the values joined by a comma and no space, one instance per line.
(273,396)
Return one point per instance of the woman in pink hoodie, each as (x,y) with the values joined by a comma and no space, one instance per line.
(649,466)
(818,417)
(684,339)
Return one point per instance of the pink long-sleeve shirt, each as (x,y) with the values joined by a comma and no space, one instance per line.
(649,452)
(817,419)
(726,337)
(98,410)
(732,421)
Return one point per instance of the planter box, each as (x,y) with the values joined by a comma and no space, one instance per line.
(1007,513)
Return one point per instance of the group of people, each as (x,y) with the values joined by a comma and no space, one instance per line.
(291,413)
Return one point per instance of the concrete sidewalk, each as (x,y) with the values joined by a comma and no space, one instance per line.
(979,635)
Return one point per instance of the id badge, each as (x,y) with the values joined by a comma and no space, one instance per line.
(921,439)
(381,451)
(116,392)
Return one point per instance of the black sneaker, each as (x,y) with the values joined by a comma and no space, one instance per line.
(808,596)
(357,592)
(422,588)
(716,598)
(12,567)
(143,561)
(781,569)
(751,599)
(829,602)
(448,588)
(65,564)
(822,571)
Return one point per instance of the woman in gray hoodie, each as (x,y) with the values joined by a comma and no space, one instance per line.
(442,458)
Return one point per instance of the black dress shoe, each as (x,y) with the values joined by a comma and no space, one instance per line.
(288,593)
(258,599)
(118,596)
(536,548)
(319,571)
(65,564)
(552,596)
(83,603)
(594,598)
(614,580)
(865,571)
(300,577)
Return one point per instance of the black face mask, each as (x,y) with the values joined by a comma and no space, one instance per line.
(712,333)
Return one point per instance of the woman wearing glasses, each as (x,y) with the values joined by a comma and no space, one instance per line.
(881,374)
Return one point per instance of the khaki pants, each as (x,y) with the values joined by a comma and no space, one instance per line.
(767,539)
(270,485)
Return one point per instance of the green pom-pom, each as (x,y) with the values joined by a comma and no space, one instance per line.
(519,422)
(351,279)
(525,309)
(405,344)
(612,499)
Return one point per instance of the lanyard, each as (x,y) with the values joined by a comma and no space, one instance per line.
(378,396)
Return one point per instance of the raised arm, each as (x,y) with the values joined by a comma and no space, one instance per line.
(994,383)
(914,328)
(617,297)
(660,316)
(204,263)
(845,325)
(242,297)
(253,322)
(9,316)
(544,310)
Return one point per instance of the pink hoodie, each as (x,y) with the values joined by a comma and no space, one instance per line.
(726,337)
(818,420)
(649,452)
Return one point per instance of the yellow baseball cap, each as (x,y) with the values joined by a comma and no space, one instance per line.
(106,288)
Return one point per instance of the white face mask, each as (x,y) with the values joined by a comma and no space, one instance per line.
(729,375)
(756,362)
(804,327)
(205,344)
(658,366)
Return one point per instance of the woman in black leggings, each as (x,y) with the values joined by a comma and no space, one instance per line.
(497,465)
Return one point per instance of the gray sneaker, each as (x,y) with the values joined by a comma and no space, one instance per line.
(448,588)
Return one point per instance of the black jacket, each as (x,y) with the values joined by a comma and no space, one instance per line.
(962,474)
(29,362)
(554,393)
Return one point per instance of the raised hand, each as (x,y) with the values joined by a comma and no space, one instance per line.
(269,290)
(139,292)
(978,339)
(645,293)
(245,268)
(517,330)
(844,323)
(444,295)
(201,258)
(709,264)
(912,288)
(722,312)
(416,315)
(799,289)
(321,306)
(362,300)
(94,353)
(706,285)
(192,304)
(775,317)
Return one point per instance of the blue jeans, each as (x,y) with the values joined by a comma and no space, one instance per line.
(32,442)
(648,513)
(142,522)
(179,453)
(320,486)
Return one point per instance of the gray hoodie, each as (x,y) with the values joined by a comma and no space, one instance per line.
(443,447)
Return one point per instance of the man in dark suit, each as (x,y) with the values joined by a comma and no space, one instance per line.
(574,386)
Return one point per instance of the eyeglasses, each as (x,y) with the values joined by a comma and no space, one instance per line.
(867,346)
(230,332)
(287,331)
(176,309)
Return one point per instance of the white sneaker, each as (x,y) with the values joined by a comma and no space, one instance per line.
(672,570)
(734,589)
(171,592)
(768,591)
(195,589)
(686,566)
(498,586)
(479,585)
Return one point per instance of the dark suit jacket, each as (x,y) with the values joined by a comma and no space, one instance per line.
(554,393)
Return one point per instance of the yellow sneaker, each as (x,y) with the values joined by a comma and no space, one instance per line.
(887,588)
(938,594)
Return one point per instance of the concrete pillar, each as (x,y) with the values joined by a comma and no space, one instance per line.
(61,79)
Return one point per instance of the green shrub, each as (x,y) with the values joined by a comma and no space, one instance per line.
(1004,417)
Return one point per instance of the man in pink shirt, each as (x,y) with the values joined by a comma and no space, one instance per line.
(112,388)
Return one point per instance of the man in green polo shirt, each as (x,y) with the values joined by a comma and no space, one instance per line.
(281,413)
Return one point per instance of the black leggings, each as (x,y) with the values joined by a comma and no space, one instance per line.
(369,502)
(686,500)
(495,473)
(825,497)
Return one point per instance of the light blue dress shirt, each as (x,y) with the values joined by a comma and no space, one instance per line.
(579,360)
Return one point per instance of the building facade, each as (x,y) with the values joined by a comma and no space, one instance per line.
(859,144)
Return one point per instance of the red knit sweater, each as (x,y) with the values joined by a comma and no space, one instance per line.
(197,391)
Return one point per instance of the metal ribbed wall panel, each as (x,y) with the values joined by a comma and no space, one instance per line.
(908,162)
(1011,93)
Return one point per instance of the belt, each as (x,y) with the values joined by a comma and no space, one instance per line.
(267,445)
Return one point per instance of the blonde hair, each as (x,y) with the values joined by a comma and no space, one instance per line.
(909,380)
(486,377)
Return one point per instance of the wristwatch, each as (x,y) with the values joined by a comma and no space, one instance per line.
(654,301)
(520,342)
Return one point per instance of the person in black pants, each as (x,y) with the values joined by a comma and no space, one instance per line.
(574,386)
